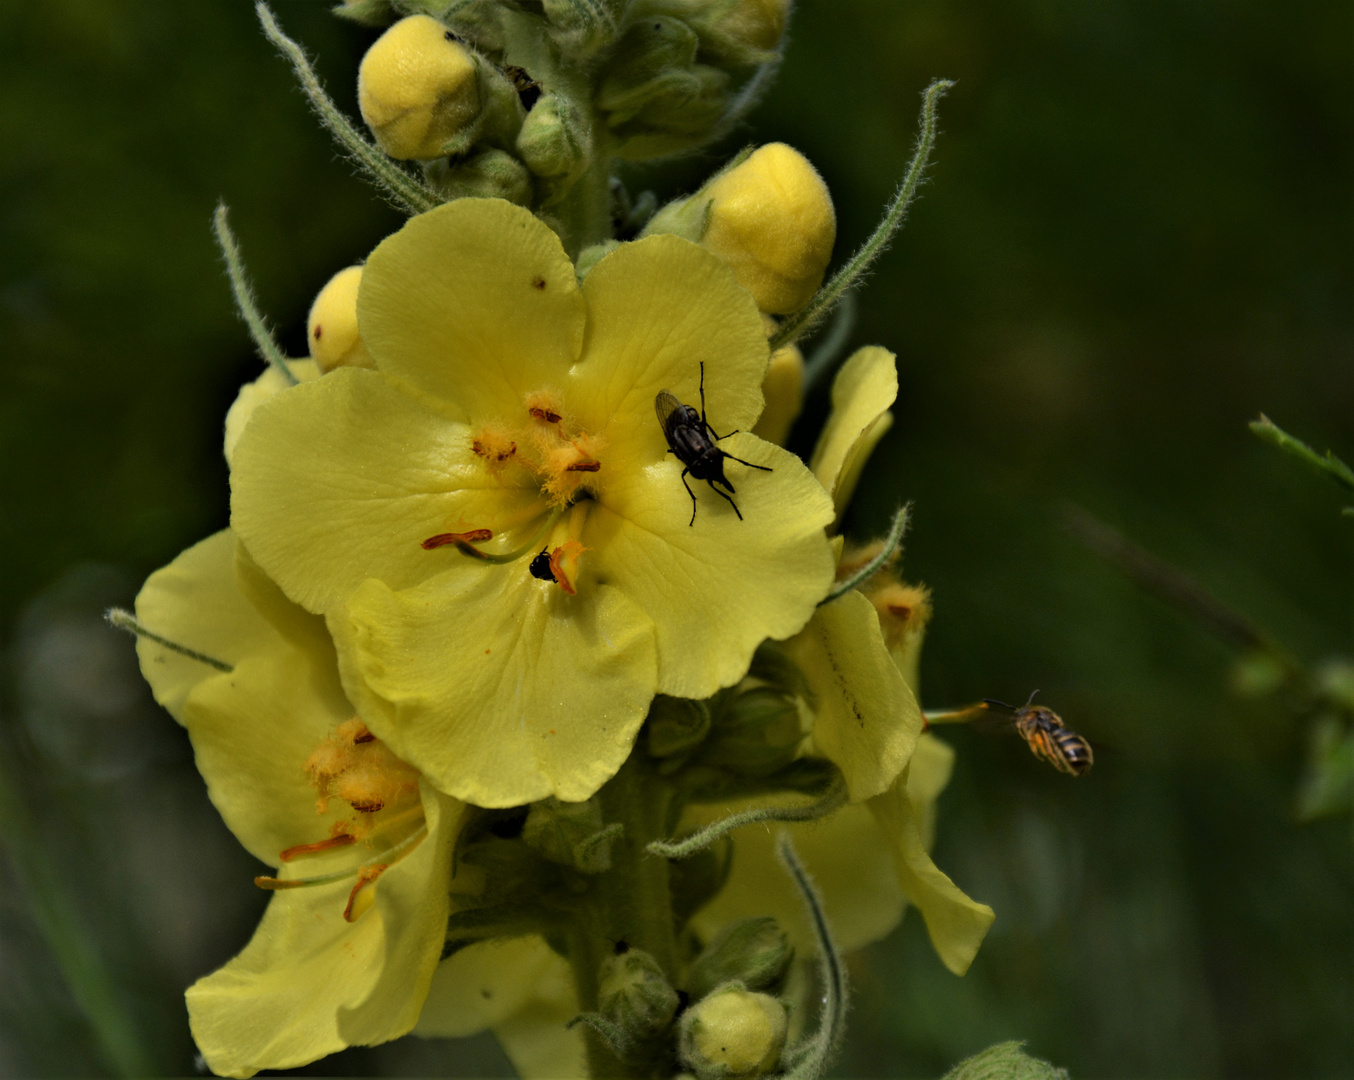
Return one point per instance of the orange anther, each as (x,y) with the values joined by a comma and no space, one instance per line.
(548,415)
(583,466)
(461,540)
(300,850)
(365,877)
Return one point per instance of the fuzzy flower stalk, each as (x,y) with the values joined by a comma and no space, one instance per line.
(527,622)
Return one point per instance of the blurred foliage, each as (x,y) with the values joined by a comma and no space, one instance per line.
(1138,234)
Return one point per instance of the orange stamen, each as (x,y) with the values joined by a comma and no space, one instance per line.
(365,877)
(549,416)
(583,466)
(461,540)
(301,850)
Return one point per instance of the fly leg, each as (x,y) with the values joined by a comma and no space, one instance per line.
(691,493)
(724,497)
(764,468)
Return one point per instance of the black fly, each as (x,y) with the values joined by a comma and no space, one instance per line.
(692,440)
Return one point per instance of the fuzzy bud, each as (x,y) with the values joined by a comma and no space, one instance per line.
(487,174)
(553,140)
(418,90)
(751,951)
(635,995)
(733,1033)
(676,724)
(771,220)
(331,327)
(756,734)
(737,32)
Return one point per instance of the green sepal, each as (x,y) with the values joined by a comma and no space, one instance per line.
(490,174)
(570,834)
(757,733)
(635,996)
(753,951)
(555,141)
(676,725)
(1005,1061)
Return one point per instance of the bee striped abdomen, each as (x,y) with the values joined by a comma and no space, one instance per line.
(1052,741)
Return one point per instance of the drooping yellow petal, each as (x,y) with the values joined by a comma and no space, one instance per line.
(342,480)
(717,587)
(927,774)
(955,923)
(861,394)
(500,687)
(253,394)
(866,720)
(657,309)
(193,601)
(483,985)
(252,731)
(310,983)
(536,1038)
(846,853)
(474,302)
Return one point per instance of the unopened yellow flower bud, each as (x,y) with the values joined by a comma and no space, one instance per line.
(331,327)
(417,89)
(733,1033)
(771,220)
(783,388)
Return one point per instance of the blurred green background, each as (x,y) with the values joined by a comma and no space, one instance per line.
(1139,232)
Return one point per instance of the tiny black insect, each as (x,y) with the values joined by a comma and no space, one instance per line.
(540,567)
(1048,737)
(692,440)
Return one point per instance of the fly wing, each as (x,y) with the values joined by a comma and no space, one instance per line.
(665,404)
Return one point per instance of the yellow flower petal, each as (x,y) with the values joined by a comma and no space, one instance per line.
(253,394)
(378,468)
(846,853)
(861,394)
(717,588)
(500,687)
(252,731)
(483,985)
(310,983)
(474,302)
(657,309)
(535,1038)
(193,601)
(956,924)
(927,774)
(866,721)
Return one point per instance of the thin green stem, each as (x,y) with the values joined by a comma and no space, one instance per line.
(810,1060)
(892,542)
(833,799)
(264,341)
(1326,463)
(827,297)
(125,620)
(406,191)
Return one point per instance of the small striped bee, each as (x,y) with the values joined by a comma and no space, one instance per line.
(1048,737)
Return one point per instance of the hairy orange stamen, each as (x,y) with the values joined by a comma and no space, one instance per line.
(461,540)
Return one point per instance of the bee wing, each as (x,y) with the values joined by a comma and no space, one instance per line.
(665,404)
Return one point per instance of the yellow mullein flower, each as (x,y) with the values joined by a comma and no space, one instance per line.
(492,521)
(872,854)
(306,788)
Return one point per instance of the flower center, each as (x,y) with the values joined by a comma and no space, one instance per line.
(387,822)
(546,450)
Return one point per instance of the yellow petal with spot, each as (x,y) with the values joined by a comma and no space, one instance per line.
(866,720)
(309,983)
(955,923)
(500,687)
(474,302)
(342,479)
(717,587)
(537,1039)
(861,394)
(657,309)
(484,984)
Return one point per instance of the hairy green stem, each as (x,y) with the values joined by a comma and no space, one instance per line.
(892,542)
(632,901)
(264,341)
(406,191)
(832,800)
(827,297)
(125,620)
